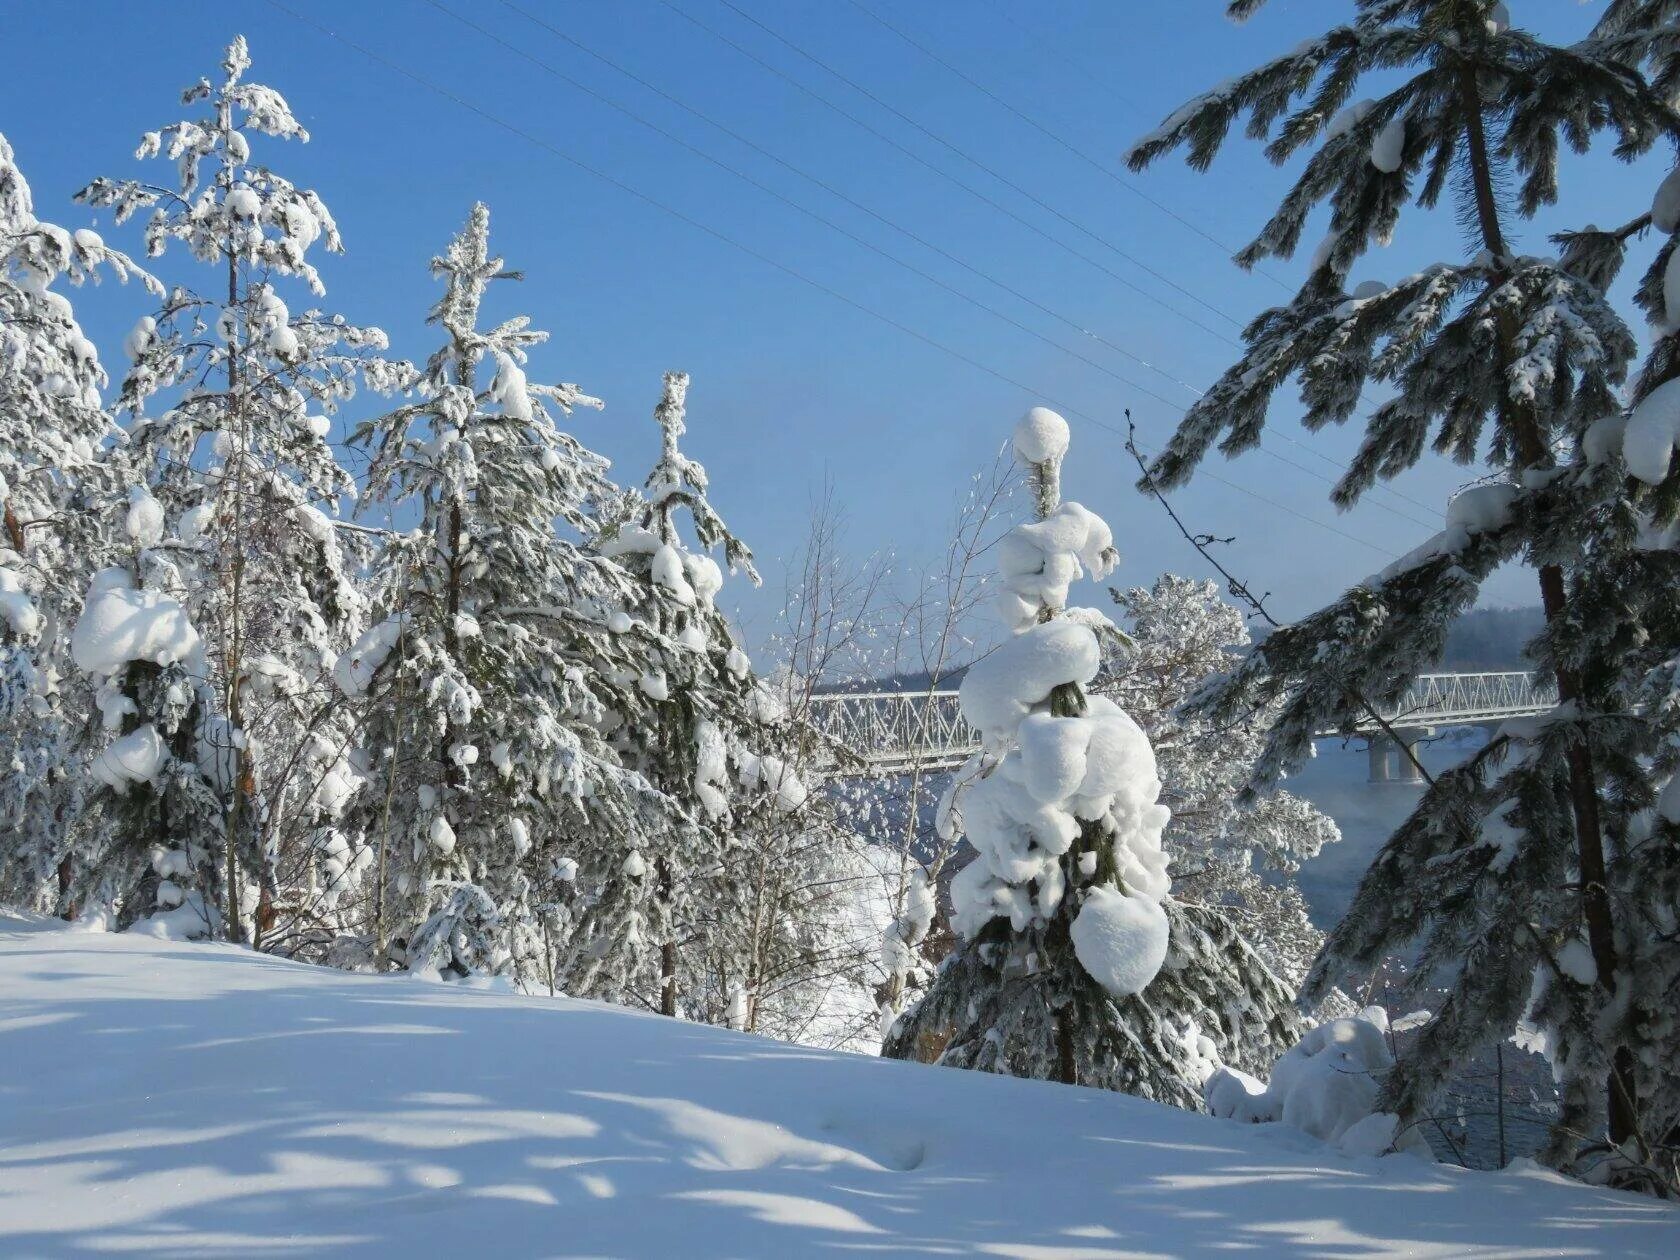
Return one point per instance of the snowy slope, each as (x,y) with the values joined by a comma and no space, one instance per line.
(195,1100)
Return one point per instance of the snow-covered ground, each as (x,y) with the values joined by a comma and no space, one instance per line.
(196,1100)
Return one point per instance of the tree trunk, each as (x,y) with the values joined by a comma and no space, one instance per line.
(66,874)
(667,948)
(1518,420)
(241,768)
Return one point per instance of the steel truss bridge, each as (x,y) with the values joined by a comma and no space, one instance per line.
(894,732)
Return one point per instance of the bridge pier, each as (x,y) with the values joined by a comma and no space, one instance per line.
(1388,760)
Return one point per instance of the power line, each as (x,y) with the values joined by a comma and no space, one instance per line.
(1091,77)
(861,242)
(1095,163)
(867,127)
(975,162)
(842,195)
(852,236)
(954,180)
(613,181)
(1084,71)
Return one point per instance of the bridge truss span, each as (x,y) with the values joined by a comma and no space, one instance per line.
(891,732)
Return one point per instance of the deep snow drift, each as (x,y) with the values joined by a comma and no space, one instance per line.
(196,1100)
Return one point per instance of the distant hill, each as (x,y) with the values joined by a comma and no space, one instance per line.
(1491,638)
(1485,639)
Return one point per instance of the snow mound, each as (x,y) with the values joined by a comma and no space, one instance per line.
(1387,149)
(1671,289)
(133,758)
(144,521)
(1325,1085)
(1039,560)
(1481,508)
(999,690)
(203,1100)
(354,671)
(1665,206)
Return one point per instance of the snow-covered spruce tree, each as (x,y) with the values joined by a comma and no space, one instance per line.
(1074,964)
(1534,874)
(495,663)
(699,691)
(230,397)
(53,428)
(1226,850)
(736,906)
(149,843)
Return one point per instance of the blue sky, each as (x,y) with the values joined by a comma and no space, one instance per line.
(792,386)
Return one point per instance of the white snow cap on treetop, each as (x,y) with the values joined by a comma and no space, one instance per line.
(1041,437)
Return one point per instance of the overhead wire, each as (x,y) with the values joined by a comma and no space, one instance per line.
(1096,164)
(978,163)
(992,202)
(956,181)
(841,195)
(860,241)
(717,234)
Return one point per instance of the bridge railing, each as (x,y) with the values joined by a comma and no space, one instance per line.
(890,730)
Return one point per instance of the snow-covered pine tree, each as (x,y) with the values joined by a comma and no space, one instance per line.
(700,691)
(53,429)
(232,459)
(735,910)
(1535,875)
(1074,964)
(1226,850)
(498,659)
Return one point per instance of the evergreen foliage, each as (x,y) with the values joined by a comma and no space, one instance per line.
(53,428)
(232,492)
(1537,877)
